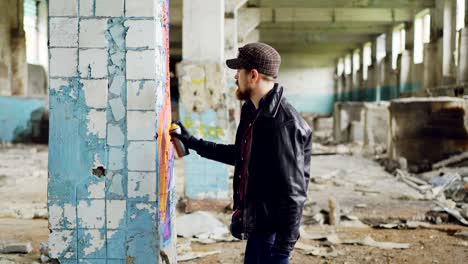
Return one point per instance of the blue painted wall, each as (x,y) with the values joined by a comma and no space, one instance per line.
(17,116)
(204,179)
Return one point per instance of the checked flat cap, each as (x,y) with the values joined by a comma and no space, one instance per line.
(259,56)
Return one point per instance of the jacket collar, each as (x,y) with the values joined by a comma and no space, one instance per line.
(268,105)
(271,102)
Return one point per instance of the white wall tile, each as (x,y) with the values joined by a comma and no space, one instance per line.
(115,136)
(142,156)
(63,8)
(113,8)
(63,62)
(141,95)
(116,213)
(97,121)
(95,92)
(116,159)
(142,185)
(141,125)
(141,33)
(141,65)
(86,8)
(139,8)
(91,214)
(63,32)
(92,33)
(117,108)
(93,63)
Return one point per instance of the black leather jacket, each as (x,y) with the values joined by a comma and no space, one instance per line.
(278,173)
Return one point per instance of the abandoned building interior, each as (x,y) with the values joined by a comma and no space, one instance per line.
(89,89)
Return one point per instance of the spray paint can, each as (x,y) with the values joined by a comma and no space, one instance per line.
(180,148)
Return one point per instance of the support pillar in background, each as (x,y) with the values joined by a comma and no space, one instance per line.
(13,65)
(463,63)
(407,85)
(231,45)
(449,37)
(389,88)
(111,194)
(433,54)
(203,94)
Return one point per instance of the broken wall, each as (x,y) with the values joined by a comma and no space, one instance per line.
(428,129)
(204,112)
(376,124)
(348,122)
(111,194)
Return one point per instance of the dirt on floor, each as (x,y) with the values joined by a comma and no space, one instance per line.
(362,189)
(426,246)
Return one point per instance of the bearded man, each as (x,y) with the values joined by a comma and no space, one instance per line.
(271,156)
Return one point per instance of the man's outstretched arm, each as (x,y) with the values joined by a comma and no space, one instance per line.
(218,152)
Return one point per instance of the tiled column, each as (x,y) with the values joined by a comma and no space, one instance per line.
(203,107)
(111,192)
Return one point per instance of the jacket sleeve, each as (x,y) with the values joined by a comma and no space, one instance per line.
(213,151)
(293,152)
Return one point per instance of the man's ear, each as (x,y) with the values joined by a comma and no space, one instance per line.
(255,75)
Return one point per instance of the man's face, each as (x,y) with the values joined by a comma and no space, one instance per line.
(243,88)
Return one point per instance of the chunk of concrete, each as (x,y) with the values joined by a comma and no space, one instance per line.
(430,129)
(15,248)
(200,223)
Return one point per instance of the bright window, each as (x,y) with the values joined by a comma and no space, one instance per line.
(340,67)
(30,28)
(348,65)
(422,34)
(460,14)
(366,59)
(381,49)
(398,43)
(460,26)
(356,61)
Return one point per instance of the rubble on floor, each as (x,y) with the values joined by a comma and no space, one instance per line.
(13,247)
(23,181)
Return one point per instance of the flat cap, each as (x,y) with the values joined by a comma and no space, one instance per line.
(259,56)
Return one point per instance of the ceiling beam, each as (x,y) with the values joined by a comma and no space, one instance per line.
(231,6)
(418,4)
(284,36)
(331,15)
(248,20)
(321,27)
(316,48)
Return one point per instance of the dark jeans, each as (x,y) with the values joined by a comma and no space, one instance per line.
(259,251)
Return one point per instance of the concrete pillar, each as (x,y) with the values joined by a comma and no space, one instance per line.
(13,65)
(231,46)
(111,194)
(362,86)
(449,37)
(203,95)
(388,79)
(432,51)
(406,82)
(463,63)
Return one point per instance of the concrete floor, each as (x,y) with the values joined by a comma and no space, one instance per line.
(361,187)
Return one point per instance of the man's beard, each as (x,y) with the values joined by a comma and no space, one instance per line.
(243,95)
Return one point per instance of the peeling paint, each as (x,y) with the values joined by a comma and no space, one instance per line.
(116,217)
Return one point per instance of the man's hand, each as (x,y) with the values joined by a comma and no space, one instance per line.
(184,135)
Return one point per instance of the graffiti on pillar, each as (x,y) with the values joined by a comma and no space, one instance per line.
(165,149)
